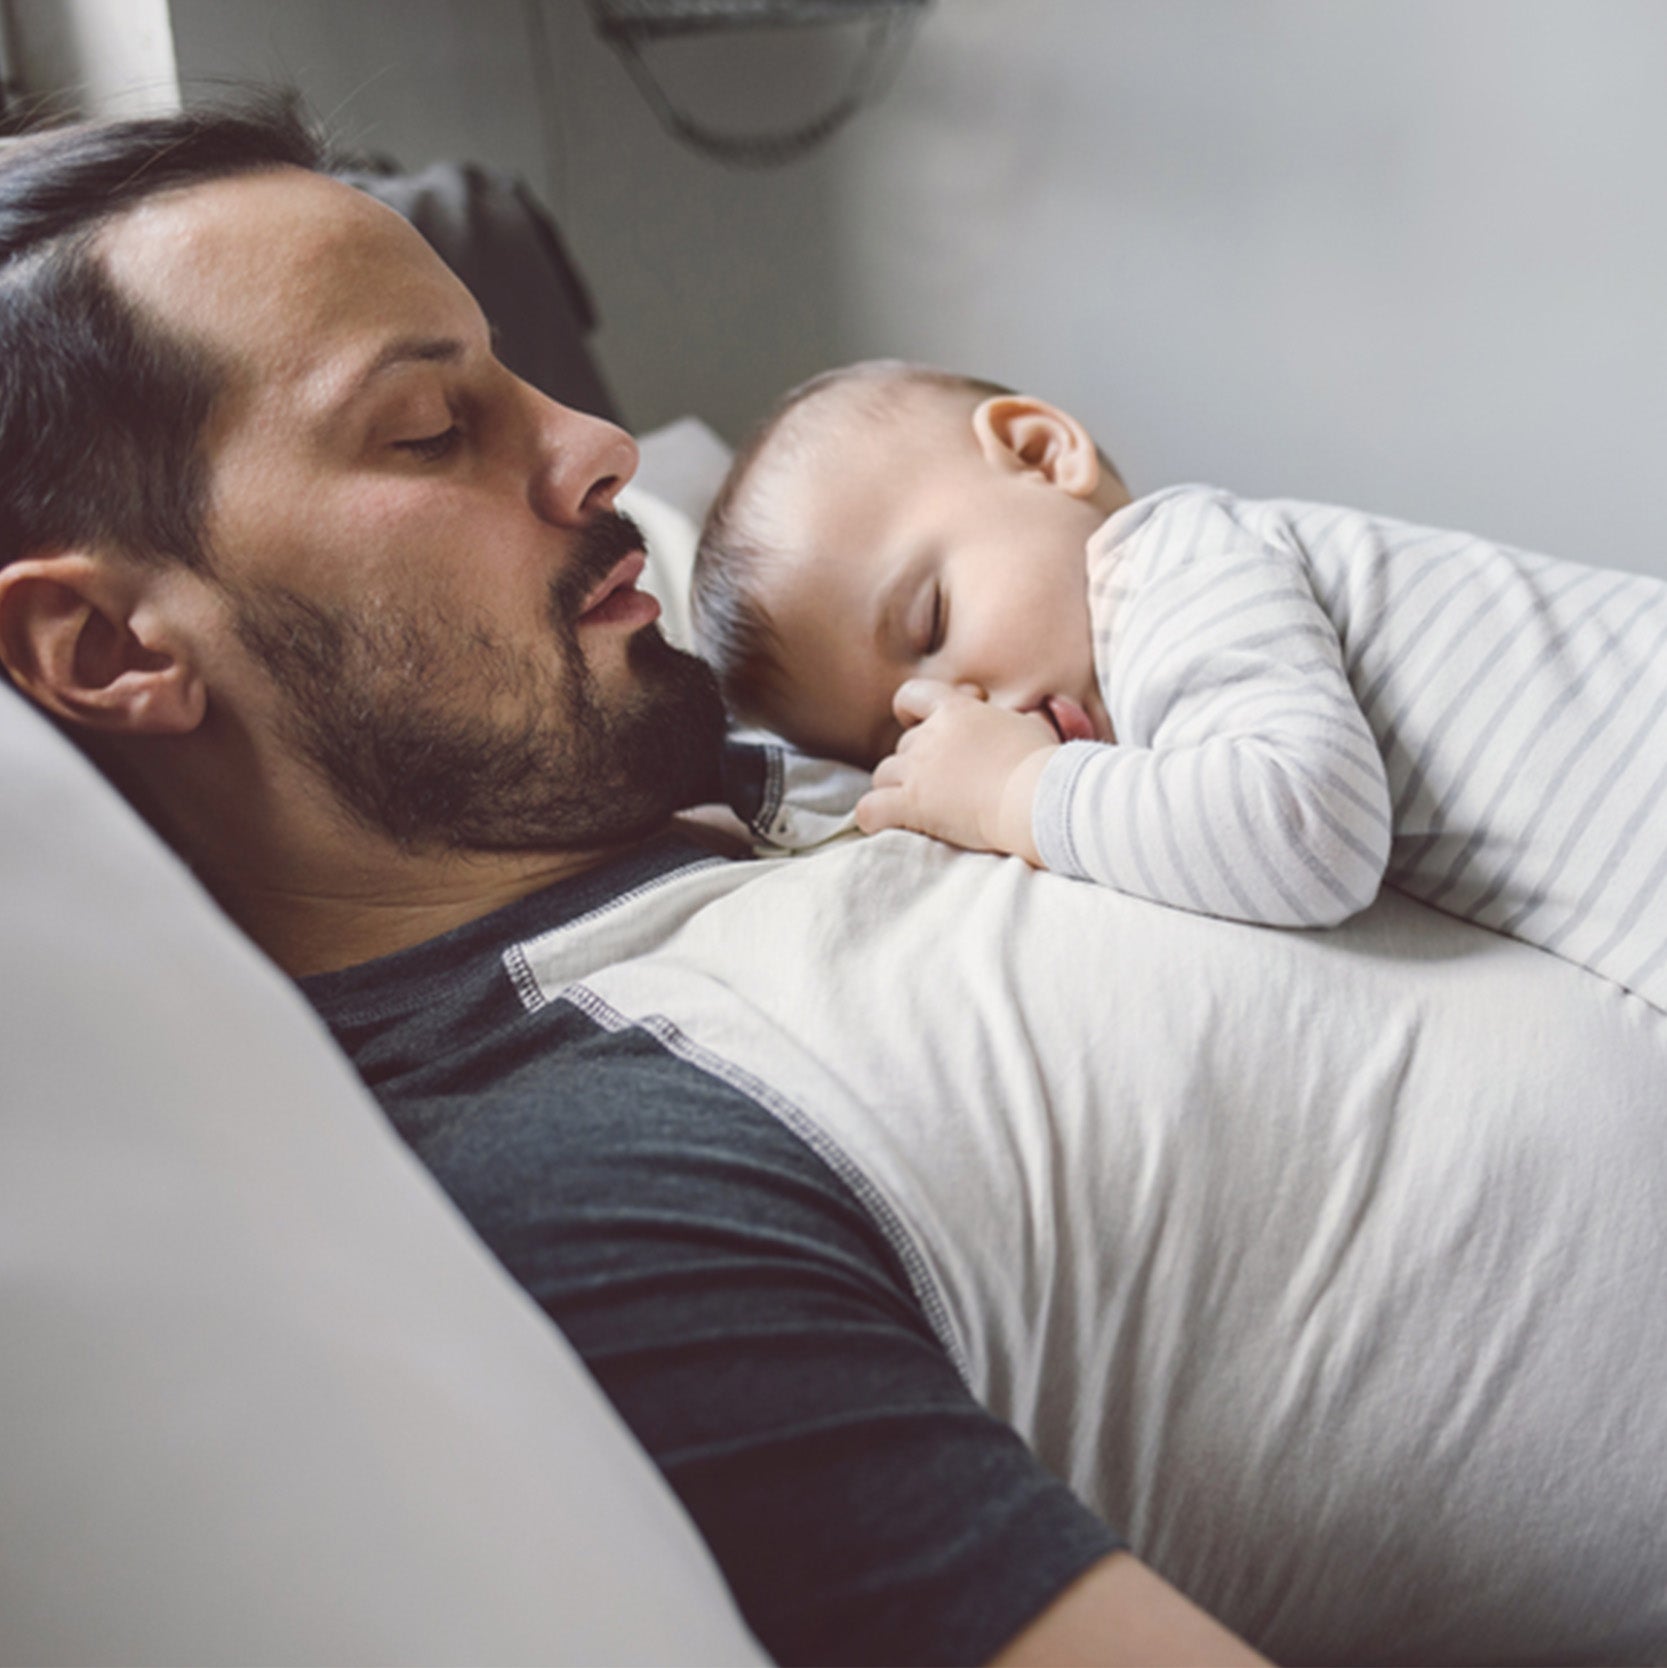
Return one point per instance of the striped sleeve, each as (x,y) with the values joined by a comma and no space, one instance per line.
(1245,781)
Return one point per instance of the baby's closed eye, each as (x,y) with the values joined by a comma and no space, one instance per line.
(928,620)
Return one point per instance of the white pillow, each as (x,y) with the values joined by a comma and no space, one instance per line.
(682,464)
(263,1396)
(680,469)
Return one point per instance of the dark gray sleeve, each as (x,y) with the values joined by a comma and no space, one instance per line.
(755,1330)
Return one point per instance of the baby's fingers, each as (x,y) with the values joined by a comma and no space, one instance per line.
(880,807)
(918,698)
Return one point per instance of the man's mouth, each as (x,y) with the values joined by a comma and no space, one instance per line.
(616,601)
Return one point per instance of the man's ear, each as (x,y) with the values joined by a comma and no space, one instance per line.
(1017,431)
(86,639)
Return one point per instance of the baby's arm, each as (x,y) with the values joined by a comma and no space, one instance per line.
(1246,782)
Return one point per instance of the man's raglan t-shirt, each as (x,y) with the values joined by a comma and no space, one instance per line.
(730,1293)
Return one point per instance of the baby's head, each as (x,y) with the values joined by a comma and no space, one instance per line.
(889,521)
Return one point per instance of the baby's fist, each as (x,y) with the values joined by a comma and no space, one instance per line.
(964,771)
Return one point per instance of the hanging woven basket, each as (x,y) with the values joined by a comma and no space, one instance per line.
(629,26)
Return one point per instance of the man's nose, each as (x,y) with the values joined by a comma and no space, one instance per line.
(580,462)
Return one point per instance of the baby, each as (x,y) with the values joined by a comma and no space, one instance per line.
(1259,711)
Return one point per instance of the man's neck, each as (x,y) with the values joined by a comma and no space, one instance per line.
(318,890)
(322,925)
(388,900)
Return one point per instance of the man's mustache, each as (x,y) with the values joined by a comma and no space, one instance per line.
(606,539)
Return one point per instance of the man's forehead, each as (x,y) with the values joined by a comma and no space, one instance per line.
(278,270)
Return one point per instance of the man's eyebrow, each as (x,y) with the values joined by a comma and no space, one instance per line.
(402,350)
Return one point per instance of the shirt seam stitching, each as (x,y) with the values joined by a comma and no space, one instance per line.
(799,1123)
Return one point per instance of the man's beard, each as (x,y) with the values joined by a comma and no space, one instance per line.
(439,735)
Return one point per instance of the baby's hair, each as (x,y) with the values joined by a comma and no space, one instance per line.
(733,629)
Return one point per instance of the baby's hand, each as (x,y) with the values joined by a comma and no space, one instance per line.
(964,771)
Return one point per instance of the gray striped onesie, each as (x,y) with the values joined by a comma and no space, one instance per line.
(1310,701)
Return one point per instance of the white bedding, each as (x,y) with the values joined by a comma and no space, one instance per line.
(1329,1266)
(263,1395)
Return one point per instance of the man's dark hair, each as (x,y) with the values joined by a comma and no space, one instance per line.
(102,410)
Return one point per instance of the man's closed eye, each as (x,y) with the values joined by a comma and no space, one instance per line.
(430,448)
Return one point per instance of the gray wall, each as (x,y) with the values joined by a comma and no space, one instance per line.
(1405,253)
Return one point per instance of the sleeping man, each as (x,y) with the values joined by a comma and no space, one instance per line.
(935,1269)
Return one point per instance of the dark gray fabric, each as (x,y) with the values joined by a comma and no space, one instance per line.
(730,1295)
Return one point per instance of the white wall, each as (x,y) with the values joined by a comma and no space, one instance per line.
(423,79)
(1406,253)
(92,57)
(714,286)
(1412,255)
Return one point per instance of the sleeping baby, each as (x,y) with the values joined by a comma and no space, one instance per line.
(1256,710)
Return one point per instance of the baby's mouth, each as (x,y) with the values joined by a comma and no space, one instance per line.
(1070,721)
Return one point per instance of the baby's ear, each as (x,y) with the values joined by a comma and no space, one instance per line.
(1018,431)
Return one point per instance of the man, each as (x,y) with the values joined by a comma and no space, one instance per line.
(840,1175)
(347,610)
